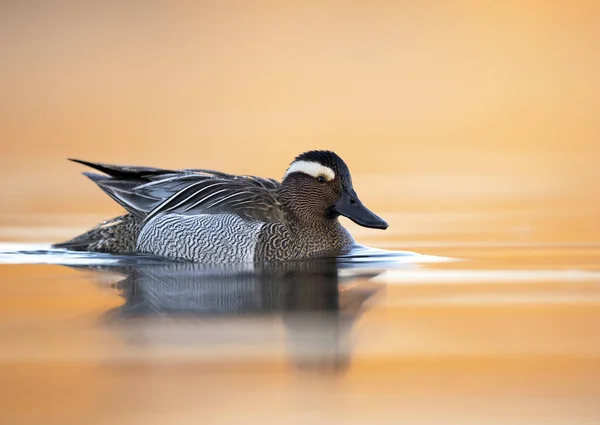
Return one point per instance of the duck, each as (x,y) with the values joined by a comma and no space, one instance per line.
(206,216)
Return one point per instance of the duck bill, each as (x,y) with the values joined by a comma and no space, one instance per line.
(350,206)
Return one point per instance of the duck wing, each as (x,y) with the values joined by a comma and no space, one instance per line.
(146,192)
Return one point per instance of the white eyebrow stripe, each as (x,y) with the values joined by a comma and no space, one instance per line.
(311,168)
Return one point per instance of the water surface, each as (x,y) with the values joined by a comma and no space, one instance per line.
(476,332)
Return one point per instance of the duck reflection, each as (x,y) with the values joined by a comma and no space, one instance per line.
(316,306)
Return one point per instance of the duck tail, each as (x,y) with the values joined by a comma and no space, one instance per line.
(117,235)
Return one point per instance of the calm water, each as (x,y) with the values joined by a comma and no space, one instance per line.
(474,332)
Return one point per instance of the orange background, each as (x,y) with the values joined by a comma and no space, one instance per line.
(434,105)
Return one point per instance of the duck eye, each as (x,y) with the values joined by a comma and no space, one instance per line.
(321,179)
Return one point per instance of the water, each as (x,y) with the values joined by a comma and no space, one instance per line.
(490,333)
(309,298)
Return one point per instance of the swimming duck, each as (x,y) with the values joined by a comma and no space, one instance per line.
(213,217)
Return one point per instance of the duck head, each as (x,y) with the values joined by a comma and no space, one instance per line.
(318,184)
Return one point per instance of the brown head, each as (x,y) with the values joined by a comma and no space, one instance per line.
(318,185)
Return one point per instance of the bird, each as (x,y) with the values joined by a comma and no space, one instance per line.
(206,216)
